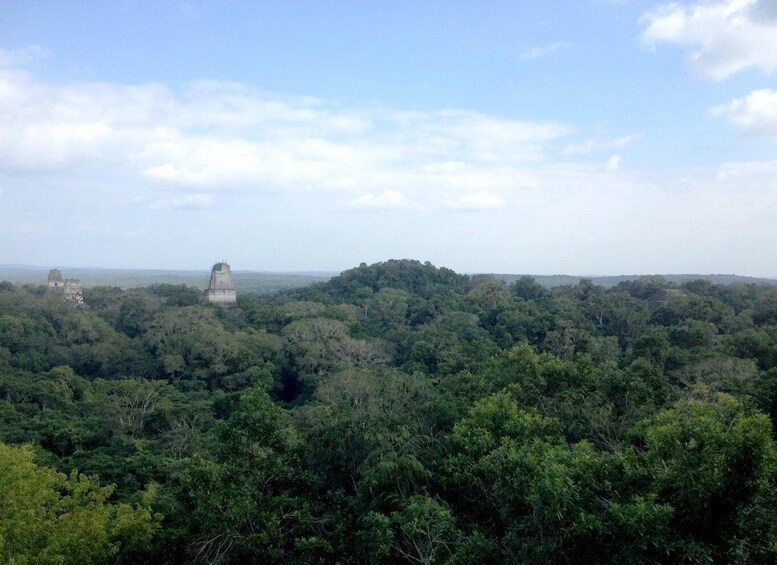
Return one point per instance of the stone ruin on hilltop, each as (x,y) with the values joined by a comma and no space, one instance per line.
(67,289)
(221,289)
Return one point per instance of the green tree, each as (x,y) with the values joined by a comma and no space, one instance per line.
(48,517)
(425,529)
(244,504)
(714,462)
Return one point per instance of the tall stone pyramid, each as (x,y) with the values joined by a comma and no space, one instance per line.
(221,289)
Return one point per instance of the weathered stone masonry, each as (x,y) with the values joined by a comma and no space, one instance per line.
(67,289)
(221,289)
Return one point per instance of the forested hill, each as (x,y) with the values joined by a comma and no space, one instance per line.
(398,412)
(414,277)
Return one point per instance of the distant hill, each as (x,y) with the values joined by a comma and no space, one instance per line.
(551,281)
(245,281)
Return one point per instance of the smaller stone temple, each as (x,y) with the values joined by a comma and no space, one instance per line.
(221,289)
(67,289)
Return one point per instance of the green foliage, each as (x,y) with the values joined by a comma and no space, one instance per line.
(370,433)
(49,517)
(422,279)
(241,506)
(425,531)
(712,460)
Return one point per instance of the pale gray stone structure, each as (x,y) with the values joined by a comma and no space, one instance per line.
(221,289)
(68,289)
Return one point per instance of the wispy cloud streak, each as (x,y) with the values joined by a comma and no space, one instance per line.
(539,51)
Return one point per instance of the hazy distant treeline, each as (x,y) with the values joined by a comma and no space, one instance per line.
(245,282)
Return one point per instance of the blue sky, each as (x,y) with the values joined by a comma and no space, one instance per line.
(586,137)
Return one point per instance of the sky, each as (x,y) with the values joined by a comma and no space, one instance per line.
(585,137)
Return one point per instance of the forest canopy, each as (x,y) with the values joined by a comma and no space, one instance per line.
(399,412)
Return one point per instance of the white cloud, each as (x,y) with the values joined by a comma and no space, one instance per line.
(723,37)
(613,163)
(539,51)
(756,113)
(592,145)
(478,201)
(386,199)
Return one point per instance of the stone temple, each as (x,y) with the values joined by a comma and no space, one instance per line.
(221,289)
(69,289)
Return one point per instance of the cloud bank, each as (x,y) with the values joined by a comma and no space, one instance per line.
(182,174)
(217,136)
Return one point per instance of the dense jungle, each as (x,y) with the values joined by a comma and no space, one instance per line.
(397,413)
